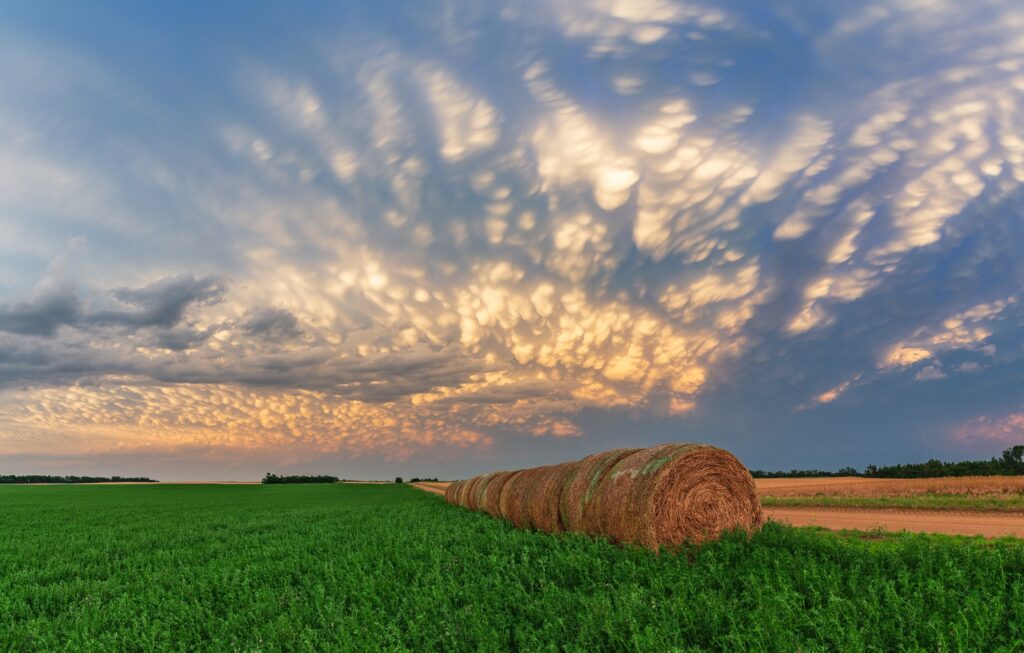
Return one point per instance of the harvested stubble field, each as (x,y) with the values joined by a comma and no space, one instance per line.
(388,567)
(982,486)
(980,493)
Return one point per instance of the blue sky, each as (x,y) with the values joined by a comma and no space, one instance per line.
(437,238)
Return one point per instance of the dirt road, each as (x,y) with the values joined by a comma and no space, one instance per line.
(950,522)
(435,488)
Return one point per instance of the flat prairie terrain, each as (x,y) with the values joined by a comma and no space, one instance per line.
(987,494)
(982,486)
(347,567)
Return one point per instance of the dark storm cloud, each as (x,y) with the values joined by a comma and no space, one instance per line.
(386,377)
(42,313)
(183,338)
(160,304)
(272,324)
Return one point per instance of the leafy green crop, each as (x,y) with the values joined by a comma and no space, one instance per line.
(386,567)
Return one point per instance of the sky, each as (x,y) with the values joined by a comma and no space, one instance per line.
(436,238)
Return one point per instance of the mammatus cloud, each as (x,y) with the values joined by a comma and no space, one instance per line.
(495,220)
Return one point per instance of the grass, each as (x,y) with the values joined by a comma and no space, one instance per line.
(930,501)
(390,568)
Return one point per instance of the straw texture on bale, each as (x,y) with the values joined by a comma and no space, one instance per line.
(676,493)
(545,497)
(473,491)
(577,508)
(451,492)
(464,492)
(505,497)
(491,494)
(517,501)
(662,496)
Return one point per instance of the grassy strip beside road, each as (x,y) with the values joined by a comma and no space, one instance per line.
(388,567)
(1009,503)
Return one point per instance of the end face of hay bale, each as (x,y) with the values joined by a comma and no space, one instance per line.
(671,494)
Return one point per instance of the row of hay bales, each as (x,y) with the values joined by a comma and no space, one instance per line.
(660,496)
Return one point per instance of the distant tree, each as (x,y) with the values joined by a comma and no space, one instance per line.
(793,473)
(398,479)
(1011,463)
(273,479)
(1013,459)
(43,478)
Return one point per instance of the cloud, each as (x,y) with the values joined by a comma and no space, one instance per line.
(1005,429)
(49,307)
(411,232)
(930,373)
(272,323)
(159,304)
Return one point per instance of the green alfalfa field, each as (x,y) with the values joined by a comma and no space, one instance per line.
(391,568)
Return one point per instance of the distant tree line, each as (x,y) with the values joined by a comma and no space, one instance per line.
(415,479)
(43,478)
(1010,463)
(272,479)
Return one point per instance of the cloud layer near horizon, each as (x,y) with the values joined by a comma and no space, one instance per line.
(455,232)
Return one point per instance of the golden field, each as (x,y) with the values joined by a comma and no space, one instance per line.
(852,486)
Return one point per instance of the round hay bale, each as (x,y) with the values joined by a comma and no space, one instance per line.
(505,497)
(577,507)
(450,491)
(545,497)
(463,490)
(491,494)
(459,491)
(471,491)
(676,493)
(480,489)
(517,499)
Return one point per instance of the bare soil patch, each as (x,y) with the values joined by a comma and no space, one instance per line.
(988,524)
